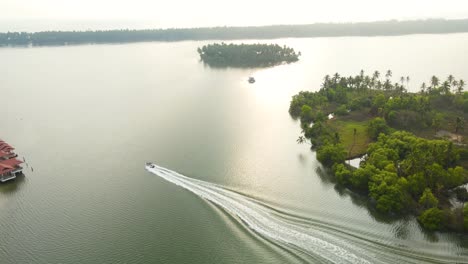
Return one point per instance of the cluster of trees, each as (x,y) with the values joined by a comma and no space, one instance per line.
(401,173)
(224,33)
(435,104)
(246,55)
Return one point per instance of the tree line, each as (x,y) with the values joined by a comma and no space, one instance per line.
(246,55)
(401,172)
(382,28)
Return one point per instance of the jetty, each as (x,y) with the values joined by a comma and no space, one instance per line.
(9,164)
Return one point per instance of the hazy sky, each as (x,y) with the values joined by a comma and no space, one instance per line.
(196,13)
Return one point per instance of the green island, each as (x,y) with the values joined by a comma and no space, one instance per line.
(246,55)
(413,145)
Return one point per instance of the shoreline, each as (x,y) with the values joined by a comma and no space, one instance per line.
(318,30)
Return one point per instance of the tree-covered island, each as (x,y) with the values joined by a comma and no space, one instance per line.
(246,55)
(414,144)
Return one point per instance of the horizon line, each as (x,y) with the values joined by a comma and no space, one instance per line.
(228,27)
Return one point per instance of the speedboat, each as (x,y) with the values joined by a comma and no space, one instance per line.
(150,165)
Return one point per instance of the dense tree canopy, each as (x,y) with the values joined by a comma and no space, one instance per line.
(229,33)
(246,55)
(401,172)
(432,219)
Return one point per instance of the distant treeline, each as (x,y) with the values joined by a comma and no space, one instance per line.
(246,55)
(383,28)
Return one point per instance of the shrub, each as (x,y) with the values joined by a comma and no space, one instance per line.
(428,200)
(331,154)
(432,219)
(465,217)
(341,111)
(377,126)
(342,174)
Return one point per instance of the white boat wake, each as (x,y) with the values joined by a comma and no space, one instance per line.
(263,221)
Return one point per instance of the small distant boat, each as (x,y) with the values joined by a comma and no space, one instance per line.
(149,165)
(251,79)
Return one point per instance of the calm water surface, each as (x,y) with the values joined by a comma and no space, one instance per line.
(87,118)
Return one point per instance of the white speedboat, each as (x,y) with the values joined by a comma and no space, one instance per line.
(149,165)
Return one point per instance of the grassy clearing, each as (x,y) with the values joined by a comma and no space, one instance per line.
(355,145)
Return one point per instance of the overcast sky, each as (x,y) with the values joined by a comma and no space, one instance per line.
(176,13)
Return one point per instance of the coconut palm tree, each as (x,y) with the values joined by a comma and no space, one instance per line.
(376,75)
(336,76)
(450,78)
(387,85)
(455,86)
(445,88)
(434,81)
(423,88)
(302,140)
(326,81)
(388,75)
(407,82)
(461,85)
(402,80)
(368,82)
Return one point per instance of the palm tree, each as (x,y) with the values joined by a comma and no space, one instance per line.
(379,85)
(423,88)
(455,85)
(387,85)
(407,81)
(402,80)
(450,78)
(461,85)
(326,80)
(376,75)
(434,81)
(368,82)
(388,74)
(350,81)
(302,140)
(336,76)
(445,88)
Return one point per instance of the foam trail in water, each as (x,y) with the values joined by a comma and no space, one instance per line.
(263,221)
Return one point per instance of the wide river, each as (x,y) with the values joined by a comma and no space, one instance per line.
(87,118)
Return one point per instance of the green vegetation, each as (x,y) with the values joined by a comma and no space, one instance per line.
(382,28)
(354,136)
(410,165)
(465,217)
(432,218)
(246,55)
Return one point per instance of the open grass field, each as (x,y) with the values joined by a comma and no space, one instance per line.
(355,145)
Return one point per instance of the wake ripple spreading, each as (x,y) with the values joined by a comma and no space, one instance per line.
(263,221)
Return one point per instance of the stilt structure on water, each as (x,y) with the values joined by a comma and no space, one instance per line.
(9,164)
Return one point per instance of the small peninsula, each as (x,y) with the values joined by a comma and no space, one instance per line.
(413,145)
(246,55)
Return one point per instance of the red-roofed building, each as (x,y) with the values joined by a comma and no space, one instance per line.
(7,155)
(9,165)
